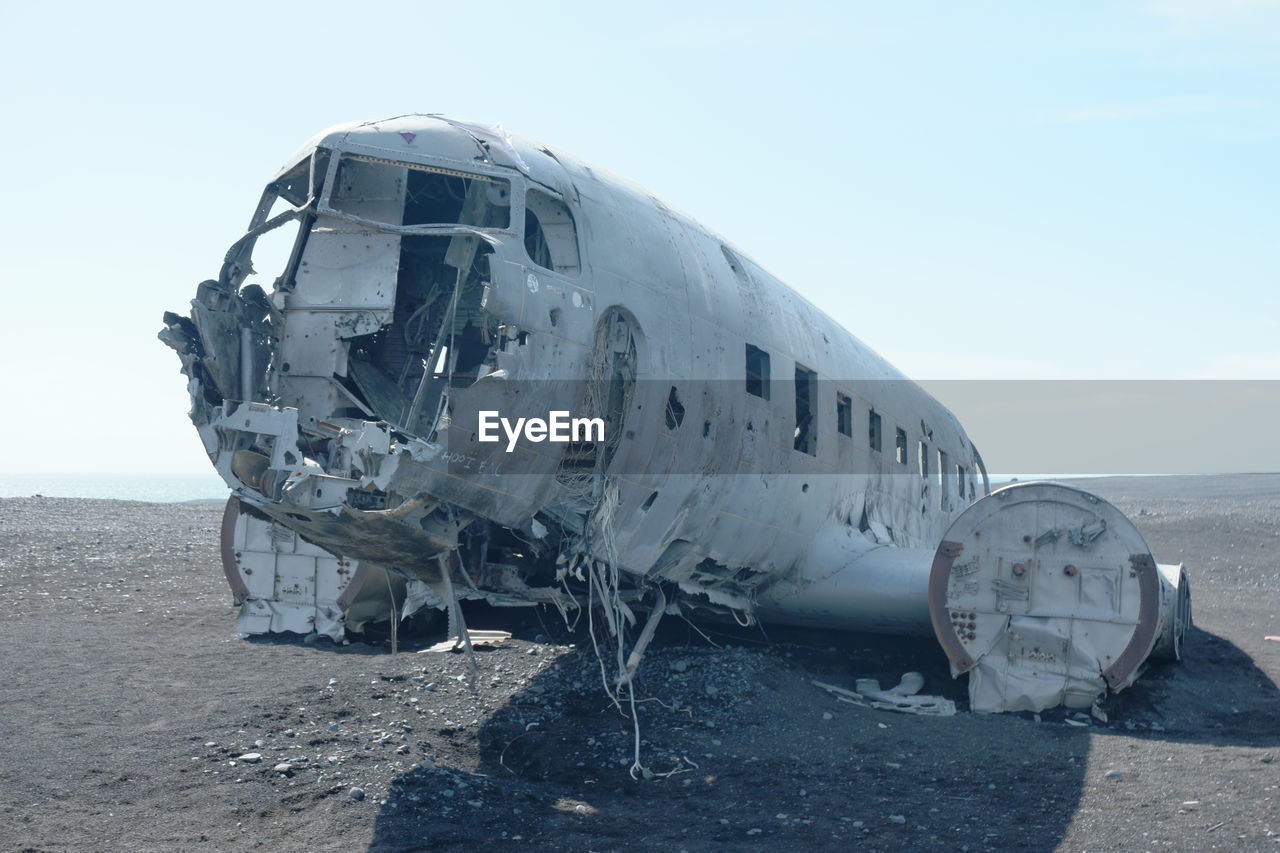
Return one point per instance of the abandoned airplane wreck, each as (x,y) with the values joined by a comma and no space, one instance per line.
(403,280)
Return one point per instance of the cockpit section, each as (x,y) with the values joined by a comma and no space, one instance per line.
(368,295)
(370,275)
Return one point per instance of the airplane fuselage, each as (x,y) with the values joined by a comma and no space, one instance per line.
(756,459)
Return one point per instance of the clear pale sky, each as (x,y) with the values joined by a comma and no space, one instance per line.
(977,190)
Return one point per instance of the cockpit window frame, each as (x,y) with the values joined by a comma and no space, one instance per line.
(272,190)
(515,188)
(572,241)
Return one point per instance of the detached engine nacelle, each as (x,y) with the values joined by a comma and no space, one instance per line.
(1046,594)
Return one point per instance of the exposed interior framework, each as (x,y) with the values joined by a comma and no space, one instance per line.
(440,335)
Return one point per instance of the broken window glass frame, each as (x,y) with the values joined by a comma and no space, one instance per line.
(416,195)
(550,237)
(944,477)
(270,256)
(296,188)
(268,252)
(757,372)
(286,199)
(806,432)
(844,415)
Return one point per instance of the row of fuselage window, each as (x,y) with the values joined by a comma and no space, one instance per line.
(806,433)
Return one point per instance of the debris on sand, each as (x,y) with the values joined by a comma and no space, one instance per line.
(905,698)
(476,638)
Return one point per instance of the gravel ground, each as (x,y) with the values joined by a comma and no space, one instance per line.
(132,718)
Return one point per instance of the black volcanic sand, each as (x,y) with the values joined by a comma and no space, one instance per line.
(126,701)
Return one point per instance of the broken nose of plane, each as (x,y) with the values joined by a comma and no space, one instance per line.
(1046,595)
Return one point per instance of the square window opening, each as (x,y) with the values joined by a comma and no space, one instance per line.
(943,476)
(844,415)
(757,372)
(806,434)
(550,237)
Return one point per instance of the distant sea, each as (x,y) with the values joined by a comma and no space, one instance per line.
(170,488)
(157,488)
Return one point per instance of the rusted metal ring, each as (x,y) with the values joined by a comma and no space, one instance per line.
(227,542)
